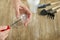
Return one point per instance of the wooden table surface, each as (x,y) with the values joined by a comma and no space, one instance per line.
(39,28)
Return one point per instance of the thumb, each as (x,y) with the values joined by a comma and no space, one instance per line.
(26,22)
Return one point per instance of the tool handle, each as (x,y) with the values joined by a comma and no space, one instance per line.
(44,5)
(8,27)
(47,4)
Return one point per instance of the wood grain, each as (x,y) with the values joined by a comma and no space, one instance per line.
(39,28)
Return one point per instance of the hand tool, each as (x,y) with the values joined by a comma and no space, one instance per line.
(22,18)
(48,4)
(50,12)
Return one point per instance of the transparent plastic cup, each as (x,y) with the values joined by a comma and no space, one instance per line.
(33,5)
(22,18)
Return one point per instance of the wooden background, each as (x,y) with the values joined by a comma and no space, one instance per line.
(39,28)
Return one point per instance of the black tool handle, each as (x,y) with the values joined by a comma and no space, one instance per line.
(44,5)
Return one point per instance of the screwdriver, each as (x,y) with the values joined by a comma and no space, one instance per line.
(50,12)
(8,26)
(48,4)
(22,18)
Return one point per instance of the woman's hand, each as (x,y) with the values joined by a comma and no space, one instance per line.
(3,34)
(20,9)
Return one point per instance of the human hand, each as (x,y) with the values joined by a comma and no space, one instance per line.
(4,33)
(20,8)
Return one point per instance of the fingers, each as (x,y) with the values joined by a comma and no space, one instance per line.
(4,29)
(24,9)
(28,13)
(5,37)
(4,34)
(17,12)
(26,22)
